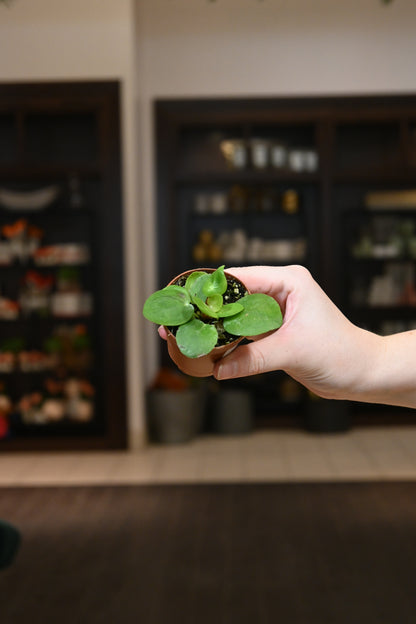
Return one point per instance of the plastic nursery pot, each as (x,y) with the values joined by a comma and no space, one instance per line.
(202,366)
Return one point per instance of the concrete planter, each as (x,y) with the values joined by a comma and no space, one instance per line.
(174,417)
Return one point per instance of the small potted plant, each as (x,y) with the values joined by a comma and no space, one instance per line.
(206,313)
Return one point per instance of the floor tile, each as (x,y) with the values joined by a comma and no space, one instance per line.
(265,455)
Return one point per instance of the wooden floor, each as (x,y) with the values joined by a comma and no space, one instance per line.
(289,553)
(270,455)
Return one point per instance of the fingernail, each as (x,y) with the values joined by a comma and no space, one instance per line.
(224,371)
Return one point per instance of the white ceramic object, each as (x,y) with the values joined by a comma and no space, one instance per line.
(68,305)
(278,155)
(260,153)
(29,200)
(235,153)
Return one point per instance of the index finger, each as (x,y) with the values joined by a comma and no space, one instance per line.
(273,281)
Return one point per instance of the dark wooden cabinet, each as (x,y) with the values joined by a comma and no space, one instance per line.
(293,180)
(62,358)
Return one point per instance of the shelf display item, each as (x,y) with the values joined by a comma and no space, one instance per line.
(6,254)
(79,400)
(202,203)
(9,351)
(303,160)
(391,200)
(395,287)
(206,248)
(9,309)
(35,361)
(235,246)
(63,253)
(35,294)
(29,408)
(278,155)
(385,237)
(71,345)
(235,153)
(38,199)
(71,304)
(69,399)
(24,239)
(290,201)
(7,362)
(260,153)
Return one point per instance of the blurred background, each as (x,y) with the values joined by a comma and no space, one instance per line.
(141,138)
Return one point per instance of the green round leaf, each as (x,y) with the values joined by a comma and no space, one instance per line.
(204,308)
(214,303)
(196,338)
(216,284)
(194,284)
(230,309)
(169,306)
(260,314)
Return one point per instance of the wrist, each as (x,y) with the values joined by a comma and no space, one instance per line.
(388,374)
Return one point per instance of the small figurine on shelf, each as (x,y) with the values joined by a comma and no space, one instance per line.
(34,237)
(238,199)
(72,346)
(35,295)
(53,406)
(9,350)
(52,347)
(80,399)
(16,234)
(33,361)
(30,408)
(206,249)
(9,309)
(24,239)
(69,300)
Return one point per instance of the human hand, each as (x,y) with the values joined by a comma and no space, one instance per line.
(316,344)
(319,347)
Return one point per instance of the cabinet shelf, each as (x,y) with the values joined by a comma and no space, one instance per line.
(384,175)
(362,145)
(376,313)
(246,177)
(45,321)
(27,171)
(52,211)
(247,215)
(66,134)
(358,263)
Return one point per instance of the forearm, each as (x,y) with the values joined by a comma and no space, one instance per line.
(389,375)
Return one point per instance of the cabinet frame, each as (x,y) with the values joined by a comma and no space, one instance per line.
(336,121)
(101,100)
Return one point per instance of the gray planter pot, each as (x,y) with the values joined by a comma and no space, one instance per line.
(174,417)
(232,412)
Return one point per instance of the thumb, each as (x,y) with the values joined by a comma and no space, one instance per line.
(257,357)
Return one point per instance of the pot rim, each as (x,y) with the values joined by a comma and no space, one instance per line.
(202,366)
(232,344)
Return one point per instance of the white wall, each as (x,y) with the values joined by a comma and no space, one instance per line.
(88,39)
(247,47)
(261,48)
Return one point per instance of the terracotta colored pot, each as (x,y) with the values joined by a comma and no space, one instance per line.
(202,366)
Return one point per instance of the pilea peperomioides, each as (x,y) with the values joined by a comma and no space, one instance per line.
(208,310)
